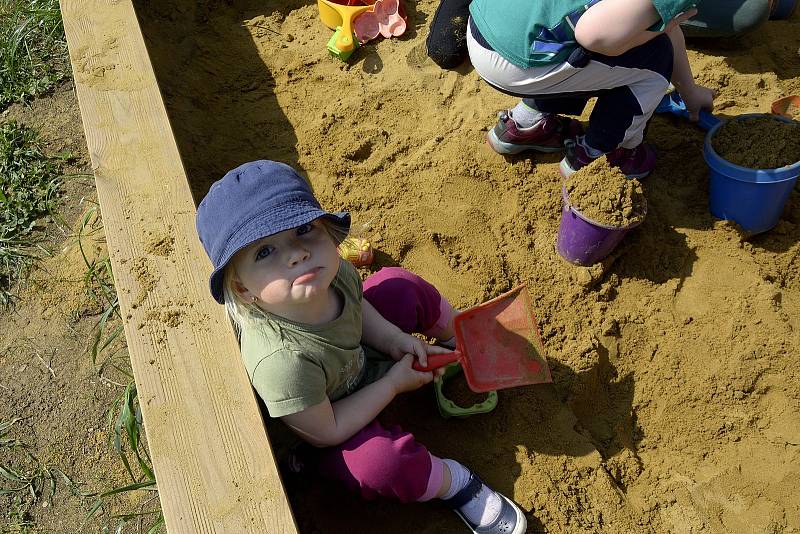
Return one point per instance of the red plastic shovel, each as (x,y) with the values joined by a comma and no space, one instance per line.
(787,106)
(497,345)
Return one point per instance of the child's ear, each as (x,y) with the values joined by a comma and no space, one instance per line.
(242,291)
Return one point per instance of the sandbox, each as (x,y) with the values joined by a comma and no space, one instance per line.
(675,406)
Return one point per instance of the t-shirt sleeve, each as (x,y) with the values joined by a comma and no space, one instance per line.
(289,383)
(668,10)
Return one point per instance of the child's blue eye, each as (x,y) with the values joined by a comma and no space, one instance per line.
(304,229)
(264,251)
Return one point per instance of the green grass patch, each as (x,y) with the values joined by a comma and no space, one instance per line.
(29,185)
(125,417)
(124,414)
(25,481)
(33,49)
(98,281)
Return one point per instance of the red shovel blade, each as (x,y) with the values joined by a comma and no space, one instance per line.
(788,106)
(500,344)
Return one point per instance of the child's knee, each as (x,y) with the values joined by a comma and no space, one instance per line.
(393,466)
(404,299)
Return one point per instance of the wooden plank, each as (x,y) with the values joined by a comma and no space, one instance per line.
(212,459)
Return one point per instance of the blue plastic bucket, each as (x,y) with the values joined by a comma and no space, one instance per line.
(753,198)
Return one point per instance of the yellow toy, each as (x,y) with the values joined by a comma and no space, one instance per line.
(357,251)
(337,15)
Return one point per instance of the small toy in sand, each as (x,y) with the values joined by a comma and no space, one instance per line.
(357,251)
(455,399)
(339,16)
(385,18)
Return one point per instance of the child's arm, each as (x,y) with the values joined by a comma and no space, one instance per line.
(328,424)
(612,27)
(695,96)
(379,333)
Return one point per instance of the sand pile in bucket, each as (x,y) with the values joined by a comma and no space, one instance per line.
(759,142)
(602,193)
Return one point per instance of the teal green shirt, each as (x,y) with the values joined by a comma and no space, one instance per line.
(535,33)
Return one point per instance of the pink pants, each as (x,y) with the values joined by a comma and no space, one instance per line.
(378,461)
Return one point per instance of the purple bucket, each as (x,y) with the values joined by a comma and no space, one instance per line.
(583,241)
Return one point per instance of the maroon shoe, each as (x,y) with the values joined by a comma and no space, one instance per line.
(547,135)
(633,162)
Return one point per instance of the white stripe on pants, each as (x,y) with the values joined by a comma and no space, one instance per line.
(647,86)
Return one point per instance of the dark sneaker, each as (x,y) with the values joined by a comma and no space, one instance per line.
(510,520)
(547,135)
(633,162)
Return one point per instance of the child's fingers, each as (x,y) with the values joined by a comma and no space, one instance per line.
(420,353)
(436,349)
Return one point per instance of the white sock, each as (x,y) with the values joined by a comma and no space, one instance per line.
(524,115)
(484,507)
(593,152)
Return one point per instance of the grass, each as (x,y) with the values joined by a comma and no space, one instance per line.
(126,419)
(33,59)
(124,415)
(29,186)
(25,481)
(98,280)
(33,49)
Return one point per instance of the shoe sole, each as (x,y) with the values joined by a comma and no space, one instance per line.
(522,522)
(502,147)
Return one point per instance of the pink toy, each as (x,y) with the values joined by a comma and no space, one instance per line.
(384,19)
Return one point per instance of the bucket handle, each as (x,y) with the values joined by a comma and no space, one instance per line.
(673,103)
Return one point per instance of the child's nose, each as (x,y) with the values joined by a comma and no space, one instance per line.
(298,253)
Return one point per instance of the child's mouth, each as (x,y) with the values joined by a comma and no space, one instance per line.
(308,277)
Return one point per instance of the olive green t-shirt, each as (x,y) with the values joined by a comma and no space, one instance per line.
(294,366)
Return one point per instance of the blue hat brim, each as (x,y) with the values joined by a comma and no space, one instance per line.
(254,230)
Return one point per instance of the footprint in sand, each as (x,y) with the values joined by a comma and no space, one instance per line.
(417,56)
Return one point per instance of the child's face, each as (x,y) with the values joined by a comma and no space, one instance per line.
(288,269)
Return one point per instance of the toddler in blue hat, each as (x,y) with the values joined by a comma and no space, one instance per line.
(326,352)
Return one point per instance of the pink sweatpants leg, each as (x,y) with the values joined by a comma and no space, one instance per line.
(383,462)
(407,301)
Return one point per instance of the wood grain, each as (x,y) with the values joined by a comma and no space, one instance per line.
(213,462)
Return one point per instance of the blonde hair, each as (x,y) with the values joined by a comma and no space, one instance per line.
(244,313)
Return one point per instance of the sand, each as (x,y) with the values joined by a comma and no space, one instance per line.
(603,194)
(759,143)
(675,404)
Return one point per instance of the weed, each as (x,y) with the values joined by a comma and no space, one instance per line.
(126,418)
(98,281)
(33,49)
(25,480)
(124,414)
(29,184)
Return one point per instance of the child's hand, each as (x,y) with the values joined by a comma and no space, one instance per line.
(697,97)
(402,344)
(404,378)
(680,17)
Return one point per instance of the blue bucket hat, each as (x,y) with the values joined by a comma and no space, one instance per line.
(253,201)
